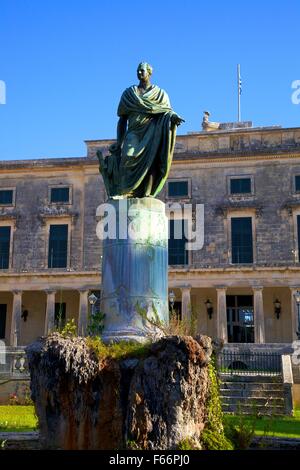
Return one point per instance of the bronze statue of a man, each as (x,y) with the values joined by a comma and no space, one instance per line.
(140,160)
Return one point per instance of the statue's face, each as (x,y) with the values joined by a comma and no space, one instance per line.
(143,73)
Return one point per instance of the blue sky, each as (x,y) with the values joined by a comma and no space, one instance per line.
(65,64)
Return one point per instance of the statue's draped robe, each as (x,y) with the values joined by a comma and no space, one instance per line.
(149,141)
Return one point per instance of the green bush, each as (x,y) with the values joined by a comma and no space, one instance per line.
(96,324)
(69,329)
(212,440)
(241,431)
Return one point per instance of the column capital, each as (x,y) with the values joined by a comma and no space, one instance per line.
(187,287)
(294,288)
(254,288)
(50,291)
(83,291)
(17,292)
(221,288)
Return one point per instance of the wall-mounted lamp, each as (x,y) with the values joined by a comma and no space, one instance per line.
(24,315)
(277,308)
(209,308)
(92,300)
(172,298)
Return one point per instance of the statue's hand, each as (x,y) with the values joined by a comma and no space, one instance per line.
(176,120)
(114,148)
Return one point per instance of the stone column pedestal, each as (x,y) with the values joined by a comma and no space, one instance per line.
(134,268)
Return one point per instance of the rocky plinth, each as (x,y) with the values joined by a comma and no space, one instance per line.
(154,402)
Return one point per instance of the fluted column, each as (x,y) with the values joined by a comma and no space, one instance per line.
(222,314)
(16,318)
(186,303)
(83,312)
(294,314)
(259,321)
(50,311)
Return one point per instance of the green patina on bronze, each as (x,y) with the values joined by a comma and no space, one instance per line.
(140,160)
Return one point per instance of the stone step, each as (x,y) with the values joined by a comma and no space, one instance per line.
(250,378)
(253,400)
(225,392)
(251,386)
(249,409)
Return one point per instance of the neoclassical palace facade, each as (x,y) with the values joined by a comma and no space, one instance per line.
(240,284)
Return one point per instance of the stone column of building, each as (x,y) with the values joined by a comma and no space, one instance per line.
(83,312)
(16,318)
(259,321)
(186,303)
(50,311)
(294,314)
(221,314)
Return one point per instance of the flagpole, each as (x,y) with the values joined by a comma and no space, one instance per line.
(239,91)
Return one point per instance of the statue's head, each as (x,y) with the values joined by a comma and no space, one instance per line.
(144,67)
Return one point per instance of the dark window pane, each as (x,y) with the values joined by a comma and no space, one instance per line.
(177,307)
(240,319)
(178,188)
(6,196)
(4,247)
(58,246)
(230,300)
(60,314)
(244,300)
(298,231)
(2,320)
(176,247)
(59,194)
(240,185)
(297,182)
(241,238)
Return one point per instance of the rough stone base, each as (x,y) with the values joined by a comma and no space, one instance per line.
(150,403)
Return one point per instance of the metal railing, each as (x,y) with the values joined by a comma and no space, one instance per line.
(261,363)
(14,363)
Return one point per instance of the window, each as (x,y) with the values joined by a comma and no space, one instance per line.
(298,232)
(297,183)
(241,240)
(60,195)
(240,185)
(178,189)
(3,308)
(176,249)
(58,246)
(6,197)
(240,318)
(60,314)
(4,247)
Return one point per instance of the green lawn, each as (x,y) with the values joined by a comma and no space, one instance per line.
(17,418)
(286,426)
(22,418)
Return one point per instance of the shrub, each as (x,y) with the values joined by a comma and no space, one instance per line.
(96,324)
(213,437)
(241,431)
(121,350)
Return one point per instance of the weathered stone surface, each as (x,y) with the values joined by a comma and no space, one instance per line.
(167,394)
(140,240)
(86,403)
